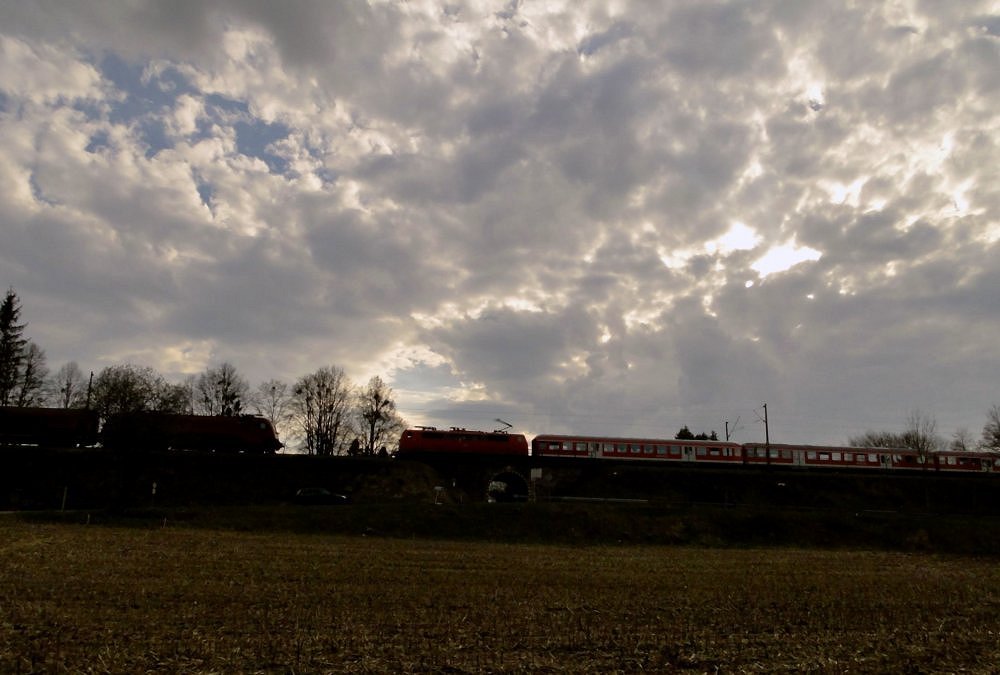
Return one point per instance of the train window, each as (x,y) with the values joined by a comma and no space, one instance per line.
(810,455)
(580,447)
(872,457)
(661,449)
(714,452)
(835,456)
(635,448)
(609,448)
(824,456)
(951,461)
(848,457)
(786,454)
(675,450)
(700,453)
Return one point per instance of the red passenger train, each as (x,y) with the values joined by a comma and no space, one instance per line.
(429,440)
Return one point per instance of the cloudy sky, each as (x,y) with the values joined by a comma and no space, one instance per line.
(580,216)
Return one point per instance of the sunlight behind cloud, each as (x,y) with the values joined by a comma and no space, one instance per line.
(739,237)
(845,194)
(783,258)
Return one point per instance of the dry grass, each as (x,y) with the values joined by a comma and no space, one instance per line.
(77,598)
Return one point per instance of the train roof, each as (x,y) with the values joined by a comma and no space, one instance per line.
(434,431)
(629,439)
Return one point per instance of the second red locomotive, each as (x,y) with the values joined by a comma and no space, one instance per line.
(430,440)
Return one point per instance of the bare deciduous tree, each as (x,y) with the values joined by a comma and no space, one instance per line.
(272,400)
(378,424)
(962,441)
(320,405)
(991,430)
(127,388)
(920,434)
(68,388)
(32,376)
(221,391)
(173,398)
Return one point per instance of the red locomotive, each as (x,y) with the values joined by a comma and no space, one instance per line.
(48,427)
(202,433)
(429,440)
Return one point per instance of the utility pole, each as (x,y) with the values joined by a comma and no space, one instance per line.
(767,437)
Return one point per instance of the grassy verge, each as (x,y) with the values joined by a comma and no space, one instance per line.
(77,598)
(583,523)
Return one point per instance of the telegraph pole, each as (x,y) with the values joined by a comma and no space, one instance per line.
(767,437)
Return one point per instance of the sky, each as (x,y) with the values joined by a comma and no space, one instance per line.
(605,217)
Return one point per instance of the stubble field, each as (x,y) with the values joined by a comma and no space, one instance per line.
(87,598)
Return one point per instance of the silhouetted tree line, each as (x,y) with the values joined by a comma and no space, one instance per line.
(685,435)
(920,433)
(324,411)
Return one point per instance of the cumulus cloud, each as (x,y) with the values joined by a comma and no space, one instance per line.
(570,215)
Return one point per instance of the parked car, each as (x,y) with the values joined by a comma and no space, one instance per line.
(318,496)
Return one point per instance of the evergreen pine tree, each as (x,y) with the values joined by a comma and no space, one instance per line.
(12,346)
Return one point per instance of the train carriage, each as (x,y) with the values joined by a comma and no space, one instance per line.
(965,461)
(844,457)
(649,449)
